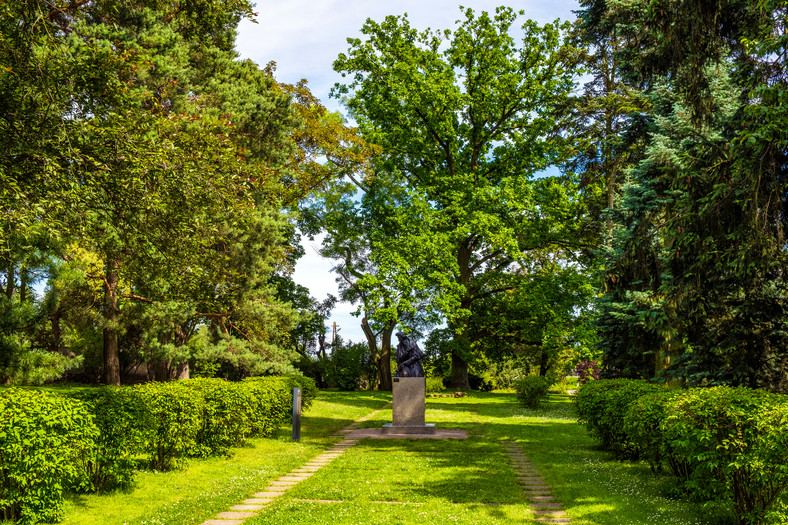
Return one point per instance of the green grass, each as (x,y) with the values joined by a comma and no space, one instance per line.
(411,481)
(204,488)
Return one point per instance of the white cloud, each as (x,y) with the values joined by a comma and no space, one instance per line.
(304,37)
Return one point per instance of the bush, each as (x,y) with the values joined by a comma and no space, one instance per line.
(643,424)
(434,384)
(480,383)
(531,390)
(274,401)
(123,422)
(226,419)
(176,420)
(735,444)
(602,405)
(42,437)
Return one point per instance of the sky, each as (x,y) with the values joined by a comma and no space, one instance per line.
(304,37)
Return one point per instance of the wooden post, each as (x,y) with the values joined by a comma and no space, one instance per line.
(296,414)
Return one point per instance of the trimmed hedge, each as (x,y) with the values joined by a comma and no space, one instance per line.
(123,422)
(602,405)
(725,444)
(91,440)
(42,438)
(531,390)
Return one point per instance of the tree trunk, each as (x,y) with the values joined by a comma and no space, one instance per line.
(385,357)
(181,369)
(459,373)
(55,345)
(381,358)
(111,351)
(544,365)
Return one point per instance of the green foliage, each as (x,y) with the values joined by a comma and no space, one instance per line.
(225,419)
(346,366)
(726,445)
(643,425)
(434,385)
(734,451)
(464,118)
(175,422)
(123,423)
(531,390)
(603,406)
(42,439)
(694,270)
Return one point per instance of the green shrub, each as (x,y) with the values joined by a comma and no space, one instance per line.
(308,389)
(346,366)
(643,425)
(176,420)
(735,444)
(602,405)
(42,437)
(123,422)
(273,398)
(434,384)
(531,390)
(227,414)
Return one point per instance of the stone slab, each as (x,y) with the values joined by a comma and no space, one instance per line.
(268,494)
(408,398)
(546,505)
(429,428)
(292,478)
(236,515)
(440,433)
(222,522)
(247,507)
(258,501)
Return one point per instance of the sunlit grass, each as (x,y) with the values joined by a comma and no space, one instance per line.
(412,481)
(207,487)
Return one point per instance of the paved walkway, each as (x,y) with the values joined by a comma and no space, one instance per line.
(546,509)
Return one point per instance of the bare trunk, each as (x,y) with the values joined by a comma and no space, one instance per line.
(459,364)
(181,370)
(55,345)
(544,363)
(385,357)
(459,372)
(111,351)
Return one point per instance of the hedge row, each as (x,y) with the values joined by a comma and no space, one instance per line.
(724,444)
(95,440)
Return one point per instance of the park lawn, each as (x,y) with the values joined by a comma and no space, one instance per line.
(411,481)
(205,487)
(424,481)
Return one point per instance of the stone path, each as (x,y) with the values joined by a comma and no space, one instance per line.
(251,507)
(546,509)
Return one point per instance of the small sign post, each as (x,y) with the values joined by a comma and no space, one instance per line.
(296,414)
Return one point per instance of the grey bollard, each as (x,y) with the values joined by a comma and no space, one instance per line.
(296,414)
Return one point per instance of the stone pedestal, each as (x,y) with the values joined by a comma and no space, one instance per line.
(408,407)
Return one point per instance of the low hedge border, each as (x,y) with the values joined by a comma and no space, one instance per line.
(93,440)
(725,444)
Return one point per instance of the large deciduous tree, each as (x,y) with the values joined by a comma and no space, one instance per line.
(464,118)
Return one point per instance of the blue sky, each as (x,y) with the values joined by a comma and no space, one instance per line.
(304,38)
